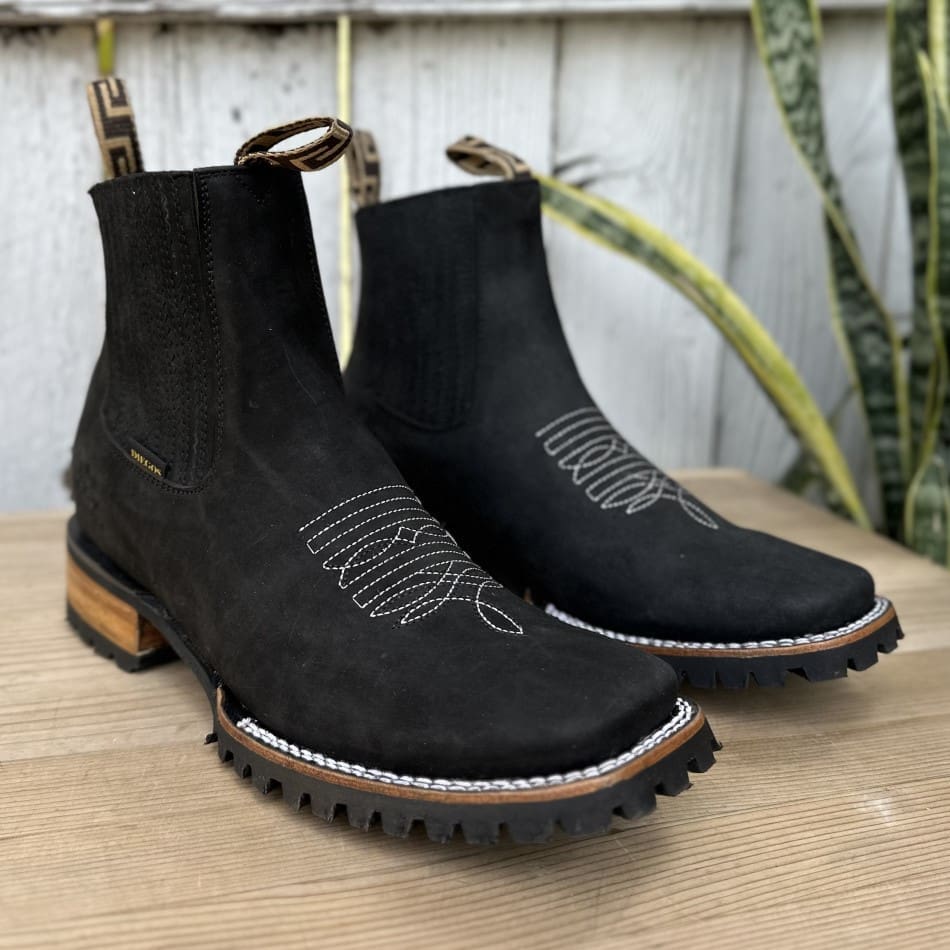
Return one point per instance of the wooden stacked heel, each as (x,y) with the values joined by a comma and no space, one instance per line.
(112,627)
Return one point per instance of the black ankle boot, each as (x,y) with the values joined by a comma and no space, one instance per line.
(461,369)
(232,511)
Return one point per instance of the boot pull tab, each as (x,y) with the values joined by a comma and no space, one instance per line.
(362,162)
(114,123)
(478,157)
(311,157)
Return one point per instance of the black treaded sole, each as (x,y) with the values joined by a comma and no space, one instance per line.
(396,810)
(738,672)
(532,823)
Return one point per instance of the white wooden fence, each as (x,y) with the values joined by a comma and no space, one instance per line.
(665,111)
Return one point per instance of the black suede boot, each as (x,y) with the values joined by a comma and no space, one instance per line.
(462,370)
(232,511)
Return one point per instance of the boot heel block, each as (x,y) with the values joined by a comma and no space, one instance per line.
(110,625)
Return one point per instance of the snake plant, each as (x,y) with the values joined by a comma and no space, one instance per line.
(902,385)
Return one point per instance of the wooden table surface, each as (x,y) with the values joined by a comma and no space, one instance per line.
(826,821)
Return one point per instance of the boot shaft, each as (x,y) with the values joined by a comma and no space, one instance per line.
(456,297)
(214,313)
(217,352)
(159,358)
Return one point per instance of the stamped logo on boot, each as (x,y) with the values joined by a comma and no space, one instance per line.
(147,459)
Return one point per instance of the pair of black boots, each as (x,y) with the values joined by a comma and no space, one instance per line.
(358,645)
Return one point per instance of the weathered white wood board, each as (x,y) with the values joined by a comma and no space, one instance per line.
(30,11)
(668,115)
(51,280)
(420,86)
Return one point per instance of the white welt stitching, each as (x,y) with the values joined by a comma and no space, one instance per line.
(881,605)
(685,711)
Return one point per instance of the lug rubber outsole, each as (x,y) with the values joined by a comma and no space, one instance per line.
(125,623)
(827,664)
(737,666)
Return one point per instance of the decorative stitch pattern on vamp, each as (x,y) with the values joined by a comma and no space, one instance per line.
(398,560)
(612,473)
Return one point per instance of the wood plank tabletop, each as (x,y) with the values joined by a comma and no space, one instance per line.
(825,823)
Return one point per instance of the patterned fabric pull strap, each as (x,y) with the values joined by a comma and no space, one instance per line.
(115,127)
(478,157)
(306,158)
(362,162)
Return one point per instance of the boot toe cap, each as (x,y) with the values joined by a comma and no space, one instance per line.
(733,586)
(782,590)
(481,706)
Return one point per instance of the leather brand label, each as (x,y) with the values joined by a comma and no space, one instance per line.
(147,459)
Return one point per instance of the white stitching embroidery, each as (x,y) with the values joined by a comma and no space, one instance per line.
(684,713)
(348,500)
(881,605)
(333,524)
(425,568)
(359,524)
(612,472)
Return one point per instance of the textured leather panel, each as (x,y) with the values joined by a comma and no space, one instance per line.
(161,343)
(420,317)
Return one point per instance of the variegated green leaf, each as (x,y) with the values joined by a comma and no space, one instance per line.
(927,522)
(618,229)
(937,27)
(936,434)
(804,475)
(787,33)
(927,509)
(907,31)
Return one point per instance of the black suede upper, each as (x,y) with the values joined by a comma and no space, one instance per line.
(462,370)
(282,538)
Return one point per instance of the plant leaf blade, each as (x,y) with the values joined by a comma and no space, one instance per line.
(927,515)
(907,22)
(787,37)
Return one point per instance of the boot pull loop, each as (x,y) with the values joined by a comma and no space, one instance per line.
(311,157)
(362,162)
(478,157)
(114,123)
